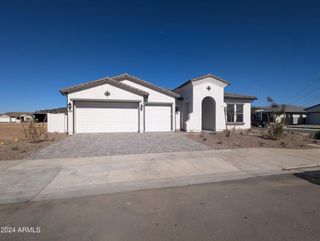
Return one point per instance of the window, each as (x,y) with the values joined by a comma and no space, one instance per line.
(230,113)
(239,110)
(234,113)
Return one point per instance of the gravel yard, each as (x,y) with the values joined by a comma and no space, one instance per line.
(253,138)
(14,146)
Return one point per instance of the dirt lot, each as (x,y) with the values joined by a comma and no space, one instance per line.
(254,138)
(14,146)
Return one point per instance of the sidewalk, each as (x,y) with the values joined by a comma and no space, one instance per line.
(33,180)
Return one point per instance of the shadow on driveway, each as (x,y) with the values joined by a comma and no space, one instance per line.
(310,176)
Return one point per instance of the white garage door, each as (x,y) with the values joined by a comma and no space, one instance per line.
(158,118)
(97,117)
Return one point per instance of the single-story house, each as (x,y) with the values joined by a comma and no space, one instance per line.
(125,103)
(290,114)
(313,115)
(20,116)
(5,119)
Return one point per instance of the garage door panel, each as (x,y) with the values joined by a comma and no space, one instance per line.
(99,117)
(314,118)
(158,118)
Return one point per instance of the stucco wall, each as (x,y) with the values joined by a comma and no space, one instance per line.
(246,113)
(155,96)
(98,93)
(194,93)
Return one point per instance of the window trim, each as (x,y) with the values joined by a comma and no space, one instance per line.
(235,113)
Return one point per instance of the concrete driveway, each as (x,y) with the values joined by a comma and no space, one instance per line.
(88,145)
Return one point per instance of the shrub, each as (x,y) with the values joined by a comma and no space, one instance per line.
(283,144)
(31,132)
(274,131)
(15,148)
(317,135)
(228,133)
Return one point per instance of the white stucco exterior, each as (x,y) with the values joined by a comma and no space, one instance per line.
(201,105)
(146,107)
(246,124)
(193,94)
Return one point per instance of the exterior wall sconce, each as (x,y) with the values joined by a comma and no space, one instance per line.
(107,93)
(208,88)
(141,107)
(70,107)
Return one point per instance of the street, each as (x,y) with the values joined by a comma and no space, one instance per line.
(280,207)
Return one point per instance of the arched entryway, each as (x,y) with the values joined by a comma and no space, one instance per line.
(208,117)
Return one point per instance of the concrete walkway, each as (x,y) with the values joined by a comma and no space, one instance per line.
(32,180)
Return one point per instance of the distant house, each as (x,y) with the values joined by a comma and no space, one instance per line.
(313,115)
(17,117)
(291,115)
(5,119)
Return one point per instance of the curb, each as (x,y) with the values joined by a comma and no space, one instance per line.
(301,167)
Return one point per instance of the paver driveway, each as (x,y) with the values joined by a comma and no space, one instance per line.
(86,145)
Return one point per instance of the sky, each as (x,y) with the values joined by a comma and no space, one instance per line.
(264,48)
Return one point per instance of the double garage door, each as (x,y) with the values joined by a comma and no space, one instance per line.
(103,117)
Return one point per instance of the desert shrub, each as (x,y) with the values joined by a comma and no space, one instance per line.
(283,144)
(317,135)
(219,142)
(228,133)
(274,131)
(15,148)
(31,132)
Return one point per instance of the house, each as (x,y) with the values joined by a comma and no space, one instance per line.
(313,115)
(125,103)
(5,119)
(289,114)
(17,117)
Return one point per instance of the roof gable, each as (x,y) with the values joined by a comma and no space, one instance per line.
(136,80)
(201,78)
(102,81)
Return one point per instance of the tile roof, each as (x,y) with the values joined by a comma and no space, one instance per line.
(145,83)
(228,95)
(105,80)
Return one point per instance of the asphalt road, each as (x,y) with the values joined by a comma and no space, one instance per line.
(302,130)
(284,207)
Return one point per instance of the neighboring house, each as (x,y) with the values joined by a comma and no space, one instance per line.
(26,118)
(17,117)
(125,103)
(291,115)
(5,119)
(313,115)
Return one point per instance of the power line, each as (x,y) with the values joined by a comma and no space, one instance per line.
(301,93)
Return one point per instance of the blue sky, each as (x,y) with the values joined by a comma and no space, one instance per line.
(264,48)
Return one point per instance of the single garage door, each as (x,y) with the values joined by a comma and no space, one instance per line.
(314,118)
(158,118)
(98,117)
